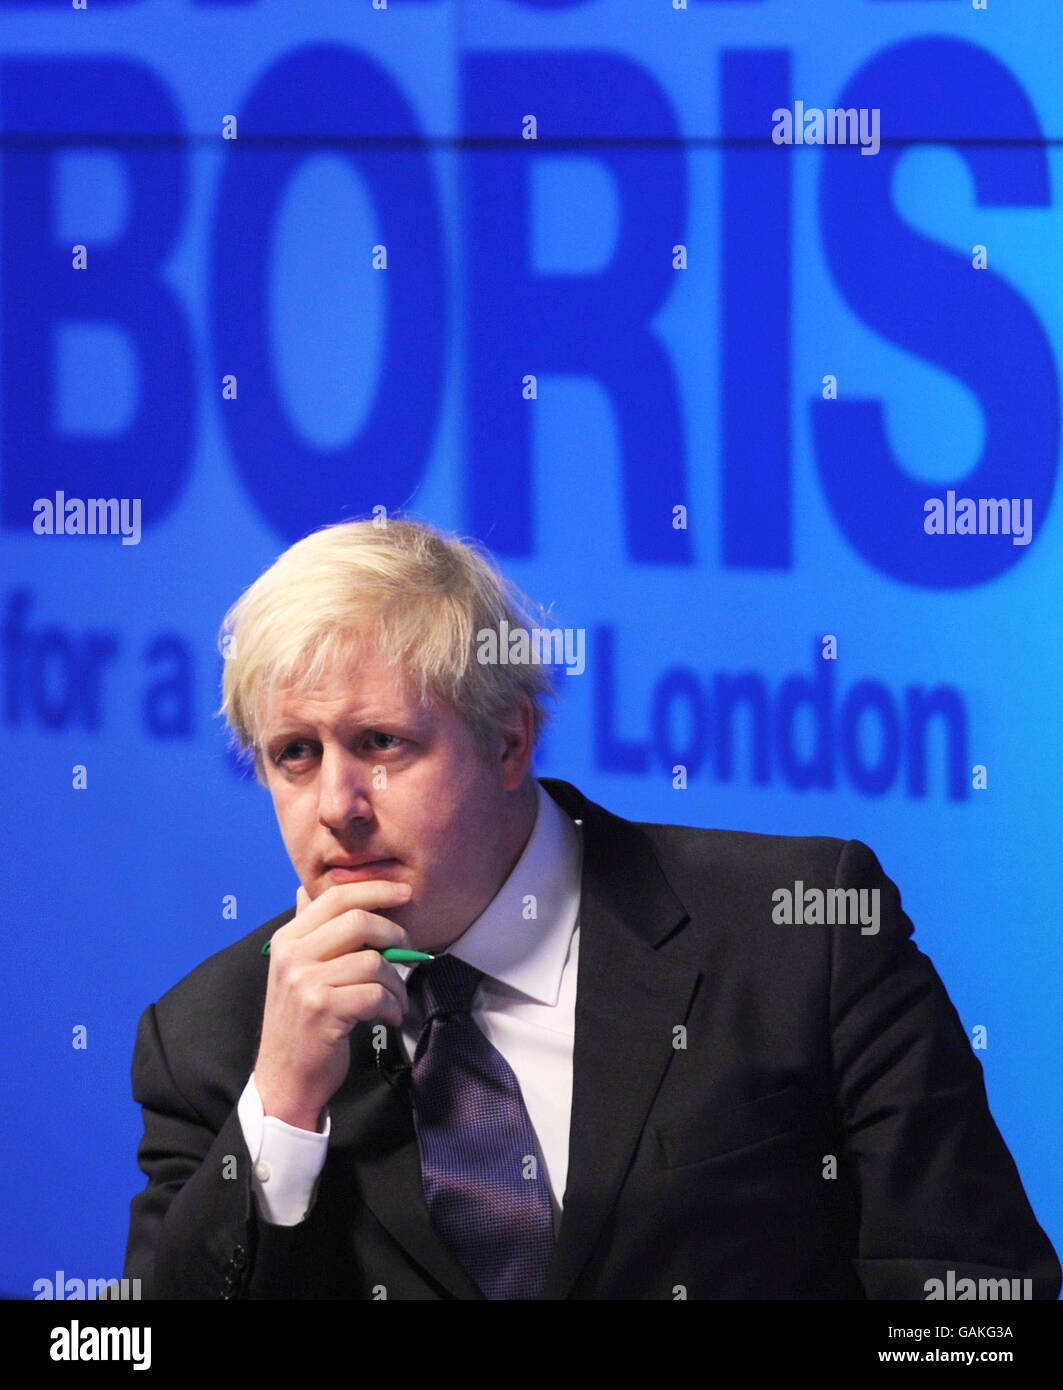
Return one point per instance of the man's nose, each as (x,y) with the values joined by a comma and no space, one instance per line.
(344,787)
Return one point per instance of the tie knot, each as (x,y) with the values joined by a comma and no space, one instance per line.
(446,985)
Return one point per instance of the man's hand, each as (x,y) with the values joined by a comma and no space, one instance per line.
(321,983)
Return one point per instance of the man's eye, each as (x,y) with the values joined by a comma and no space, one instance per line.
(393,737)
(292,751)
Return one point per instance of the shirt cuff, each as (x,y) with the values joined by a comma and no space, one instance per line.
(286,1162)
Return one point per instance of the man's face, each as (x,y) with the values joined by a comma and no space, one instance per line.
(432,814)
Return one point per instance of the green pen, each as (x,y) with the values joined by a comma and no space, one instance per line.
(395,955)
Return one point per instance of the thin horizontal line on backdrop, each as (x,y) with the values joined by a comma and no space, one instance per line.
(11,140)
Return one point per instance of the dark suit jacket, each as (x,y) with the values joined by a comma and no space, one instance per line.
(700,1166)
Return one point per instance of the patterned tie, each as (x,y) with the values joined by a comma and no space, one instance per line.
(481,1168)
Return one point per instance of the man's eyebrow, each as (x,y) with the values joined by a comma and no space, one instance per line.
(296,725)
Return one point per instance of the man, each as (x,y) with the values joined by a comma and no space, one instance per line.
(625,1073)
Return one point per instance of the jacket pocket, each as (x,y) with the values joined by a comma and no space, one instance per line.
(718,1130)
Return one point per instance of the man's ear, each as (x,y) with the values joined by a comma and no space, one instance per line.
(517,745)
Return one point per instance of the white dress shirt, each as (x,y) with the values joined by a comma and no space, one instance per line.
(525,1005)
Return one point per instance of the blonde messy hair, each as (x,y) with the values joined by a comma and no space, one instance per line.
(420,595)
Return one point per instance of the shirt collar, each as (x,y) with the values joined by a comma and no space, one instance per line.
(528,954)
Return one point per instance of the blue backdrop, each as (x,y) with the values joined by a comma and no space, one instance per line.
(539,273)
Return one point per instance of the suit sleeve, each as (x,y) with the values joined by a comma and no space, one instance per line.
(193,1230)
(938,1188)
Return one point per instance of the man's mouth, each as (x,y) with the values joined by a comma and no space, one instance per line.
(347,871)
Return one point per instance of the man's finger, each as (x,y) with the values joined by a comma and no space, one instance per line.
(370,896)
(354,931)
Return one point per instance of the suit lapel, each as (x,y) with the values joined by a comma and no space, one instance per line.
(372,1130)
(628,1000)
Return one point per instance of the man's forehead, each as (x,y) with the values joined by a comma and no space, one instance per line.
(350,696)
